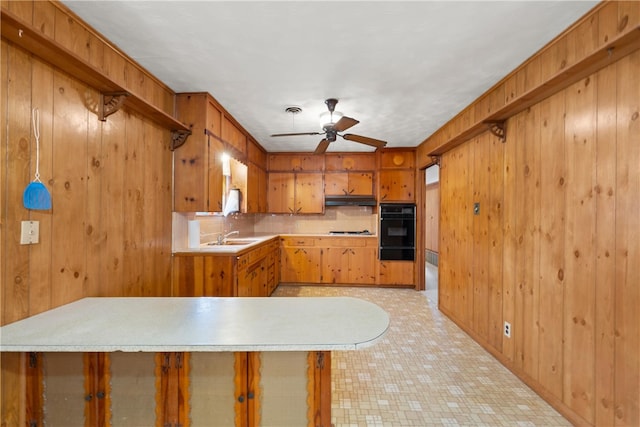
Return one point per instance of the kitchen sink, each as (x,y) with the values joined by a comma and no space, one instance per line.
(233,242)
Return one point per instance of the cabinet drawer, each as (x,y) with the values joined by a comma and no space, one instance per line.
(298,241)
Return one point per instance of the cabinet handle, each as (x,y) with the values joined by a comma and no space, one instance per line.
(100,395)
(88,397)
(241,398)
(250,395)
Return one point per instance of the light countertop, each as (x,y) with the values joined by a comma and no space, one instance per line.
(200,324)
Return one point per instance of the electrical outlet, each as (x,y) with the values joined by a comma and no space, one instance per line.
(507,329)
(29,232)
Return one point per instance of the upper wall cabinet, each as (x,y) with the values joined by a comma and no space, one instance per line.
(350,174)
(233,136)
(197,164)
(397,176)
(296,163)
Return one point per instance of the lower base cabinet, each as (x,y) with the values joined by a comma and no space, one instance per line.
(178,389)
(396,273)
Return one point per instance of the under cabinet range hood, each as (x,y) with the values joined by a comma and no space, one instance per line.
(350,201)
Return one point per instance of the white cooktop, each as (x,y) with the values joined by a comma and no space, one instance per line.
(200,324)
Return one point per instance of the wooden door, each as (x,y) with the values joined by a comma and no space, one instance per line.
(281,194)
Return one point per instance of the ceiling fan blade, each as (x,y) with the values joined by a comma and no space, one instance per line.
(365,140)
(298,134)
(322,147)
(345,123)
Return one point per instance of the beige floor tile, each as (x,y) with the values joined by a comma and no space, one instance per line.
(424,372)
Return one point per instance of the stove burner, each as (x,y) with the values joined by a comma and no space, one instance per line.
(363,232)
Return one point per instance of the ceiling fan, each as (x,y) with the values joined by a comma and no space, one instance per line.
(332,128)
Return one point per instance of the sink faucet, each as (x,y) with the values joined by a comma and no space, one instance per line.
(222,239)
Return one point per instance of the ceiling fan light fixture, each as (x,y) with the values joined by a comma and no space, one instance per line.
(328,119)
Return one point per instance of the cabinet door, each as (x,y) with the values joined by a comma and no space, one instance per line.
(360,265)
(335,265)
(197,276)
(300,265)
(336,184)
(395,273)
(397,185)
(281,194)
(360,183)
(214,182)
(256,189)
(309,193)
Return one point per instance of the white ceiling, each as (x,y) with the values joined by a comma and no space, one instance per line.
(402,69)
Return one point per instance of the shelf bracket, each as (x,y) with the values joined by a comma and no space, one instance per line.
(498,128)
(435,160)
(110,103)
(178,138)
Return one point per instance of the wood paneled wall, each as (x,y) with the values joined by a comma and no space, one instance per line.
(555,250)
(109,232)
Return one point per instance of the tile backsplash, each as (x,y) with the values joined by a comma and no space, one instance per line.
(344,218)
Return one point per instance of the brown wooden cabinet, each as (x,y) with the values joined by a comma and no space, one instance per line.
(295,193)
(348,184)
(348,260)
(395,273)
(397,176)
(249,274)
(300,260)
(287,162)
(256,189)
(197,164)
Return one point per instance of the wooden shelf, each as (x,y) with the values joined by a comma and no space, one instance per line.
(608,54)
(22,34)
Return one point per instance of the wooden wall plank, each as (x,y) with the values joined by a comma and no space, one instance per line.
(40,254)
(95,235)
(18,137)
(68,191)
(627,292)
(495,205)
(480,232)
(522,215)
(133,215)
(580,248)
(552,236)
(605,193)
(113,140)
(510,235)
(445,259)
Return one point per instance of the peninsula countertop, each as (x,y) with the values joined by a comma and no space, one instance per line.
(200,324)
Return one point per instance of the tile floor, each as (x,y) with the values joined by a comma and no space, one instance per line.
(424,372)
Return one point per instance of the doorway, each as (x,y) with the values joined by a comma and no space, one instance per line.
(431,230)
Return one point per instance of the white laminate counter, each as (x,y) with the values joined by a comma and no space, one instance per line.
(200,324)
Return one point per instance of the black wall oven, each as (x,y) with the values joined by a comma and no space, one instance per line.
(397,231)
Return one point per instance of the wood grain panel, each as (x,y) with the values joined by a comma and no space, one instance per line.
(510,240)
(580,249)
(113,138)
(552,236)
(133,193)
(39,264)
(530,266)
(18,137)
(627,292)
(68,191)
(605,245)
(495,205)
(480,230)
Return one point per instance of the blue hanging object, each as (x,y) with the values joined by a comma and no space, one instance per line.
(36,196)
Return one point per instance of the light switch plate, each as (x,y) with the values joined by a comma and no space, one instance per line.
(29,232)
